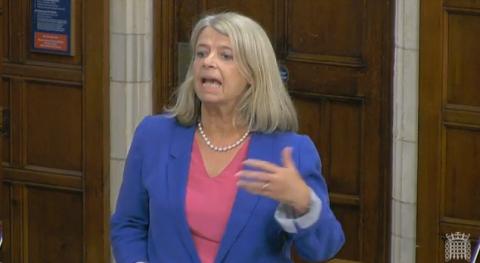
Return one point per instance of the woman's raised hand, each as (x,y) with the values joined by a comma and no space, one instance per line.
(282,183)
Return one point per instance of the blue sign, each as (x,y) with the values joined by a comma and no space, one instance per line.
(51,26)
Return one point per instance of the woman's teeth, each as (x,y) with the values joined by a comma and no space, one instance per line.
(211,83)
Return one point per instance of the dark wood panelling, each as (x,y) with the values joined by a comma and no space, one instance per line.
(322,77)
(452,225)
(252,8)
(51,178)
(52,234)
(431,50)
(467,4)
(345,148)
(16,121)
(336,30)
(56,73)
(349,216)
(325,59)
(5,104)
(4,23)
(462,152)
(342,199)
(96,143)
(463,63)
(187,12)
(311,116)
(59,145)
(461,114)
(5,251)
(165,35)
(53,126)
(16,26)
(449,125)
(17,217)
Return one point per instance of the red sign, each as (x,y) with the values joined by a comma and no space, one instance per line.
(51,41)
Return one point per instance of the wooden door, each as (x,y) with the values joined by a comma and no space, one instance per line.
(54,164)
(338,54)
(449,125)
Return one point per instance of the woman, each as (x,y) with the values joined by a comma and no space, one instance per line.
(223,177)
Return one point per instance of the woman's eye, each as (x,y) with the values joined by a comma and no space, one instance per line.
(227,56)
(201,54)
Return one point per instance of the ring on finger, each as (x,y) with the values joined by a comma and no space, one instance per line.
(265,186)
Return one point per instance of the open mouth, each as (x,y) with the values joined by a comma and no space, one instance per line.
(211,82)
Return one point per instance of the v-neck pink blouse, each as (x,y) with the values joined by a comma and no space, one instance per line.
(209,201)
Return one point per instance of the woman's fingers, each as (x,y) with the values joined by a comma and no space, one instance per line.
(279,182)
(255,187)
(287,157)
(254,176)
(254,181)
(262,165)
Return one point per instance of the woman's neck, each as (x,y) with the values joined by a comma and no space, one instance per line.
(221,124)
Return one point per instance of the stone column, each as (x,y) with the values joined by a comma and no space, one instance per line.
(405,132)
(131,52)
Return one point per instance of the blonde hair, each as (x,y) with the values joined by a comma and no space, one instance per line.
(266,105)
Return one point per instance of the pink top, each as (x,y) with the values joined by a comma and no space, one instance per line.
(209,201)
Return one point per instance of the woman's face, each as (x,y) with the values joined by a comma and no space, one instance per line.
(218,80)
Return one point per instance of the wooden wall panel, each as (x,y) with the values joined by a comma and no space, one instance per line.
(5,251)
(255,9)
(462,154)
(187,13)
(463,63)
(465,4)
(52,234)
(5,25)
(5,104)
(312,117)
(345,148)
(55,161)
(16,218)
(349,216)
(310,76)
(16,122)
(337,29)
(53,125)
(449,125)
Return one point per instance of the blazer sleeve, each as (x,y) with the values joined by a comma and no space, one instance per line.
(323,239)
(129,223)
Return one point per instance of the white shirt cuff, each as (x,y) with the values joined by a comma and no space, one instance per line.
(285,215)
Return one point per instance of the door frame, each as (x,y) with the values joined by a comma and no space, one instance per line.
(97,142)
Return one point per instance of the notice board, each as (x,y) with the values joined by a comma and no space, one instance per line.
(52,26)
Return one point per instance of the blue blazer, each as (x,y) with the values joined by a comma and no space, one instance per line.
(149,223)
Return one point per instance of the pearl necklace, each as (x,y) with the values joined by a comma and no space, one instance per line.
(220,149)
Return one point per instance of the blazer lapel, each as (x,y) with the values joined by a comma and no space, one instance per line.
(177,176)
(244,205)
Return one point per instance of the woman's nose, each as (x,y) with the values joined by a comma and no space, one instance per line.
(209,61)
